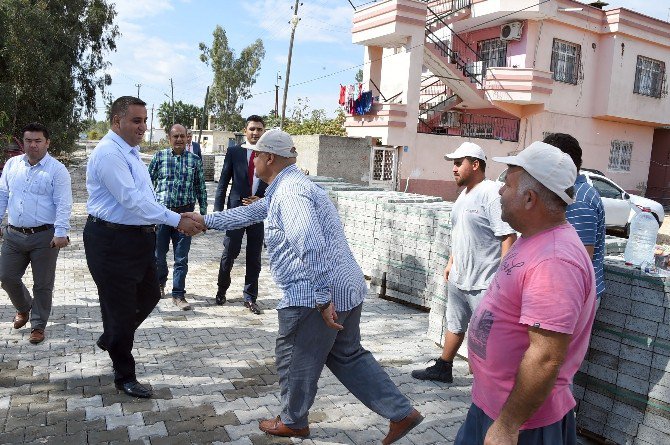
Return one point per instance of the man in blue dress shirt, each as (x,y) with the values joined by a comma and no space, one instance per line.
(36,191)
(120,237)
(323,291)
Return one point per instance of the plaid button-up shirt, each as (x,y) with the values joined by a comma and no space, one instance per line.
(178,179)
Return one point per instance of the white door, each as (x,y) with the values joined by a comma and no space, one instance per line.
(383,167)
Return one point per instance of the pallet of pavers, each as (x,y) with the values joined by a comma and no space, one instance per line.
(623,386)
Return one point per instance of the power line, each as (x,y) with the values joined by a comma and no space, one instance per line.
(421,44)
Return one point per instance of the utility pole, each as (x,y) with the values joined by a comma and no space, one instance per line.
(277,95)
(172,88)
(204,115)
(138,85)
(151,135)
(294,24)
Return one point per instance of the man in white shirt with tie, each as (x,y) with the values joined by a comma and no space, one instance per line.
(36,191)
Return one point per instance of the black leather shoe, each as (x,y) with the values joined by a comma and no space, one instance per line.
(134,389)
(220,298)
(253,307)
(100,345)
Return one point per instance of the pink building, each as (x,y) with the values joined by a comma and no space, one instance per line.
(503,73)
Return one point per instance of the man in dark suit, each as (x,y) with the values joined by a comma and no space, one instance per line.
(191,146)
(246,188)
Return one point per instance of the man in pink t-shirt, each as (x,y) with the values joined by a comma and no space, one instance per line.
(530,333)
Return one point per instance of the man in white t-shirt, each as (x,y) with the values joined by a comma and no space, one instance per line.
(479,239)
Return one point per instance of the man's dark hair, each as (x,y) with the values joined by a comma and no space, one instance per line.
(254,118)
(35,127)
(567,144)
(482,163)
(121,105)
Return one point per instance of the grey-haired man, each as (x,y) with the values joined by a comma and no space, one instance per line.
(323,291)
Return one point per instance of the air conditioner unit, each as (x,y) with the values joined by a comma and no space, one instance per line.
(511,31)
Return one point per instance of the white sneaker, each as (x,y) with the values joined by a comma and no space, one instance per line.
(182,304)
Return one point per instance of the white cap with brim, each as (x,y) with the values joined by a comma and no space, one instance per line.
(277,142)
(467,149)
(549,165)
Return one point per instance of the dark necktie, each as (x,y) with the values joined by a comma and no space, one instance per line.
(251,171)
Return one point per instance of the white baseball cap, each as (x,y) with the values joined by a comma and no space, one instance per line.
(549,165)
(467,149)
(277,142)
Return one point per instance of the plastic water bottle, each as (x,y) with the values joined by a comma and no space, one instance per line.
(642,238)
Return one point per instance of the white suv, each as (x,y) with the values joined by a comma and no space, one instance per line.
(620,206)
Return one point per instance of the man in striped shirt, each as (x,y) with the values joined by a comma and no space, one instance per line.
(323,291)
(179,181)
(586,214)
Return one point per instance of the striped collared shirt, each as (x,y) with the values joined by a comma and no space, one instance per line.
(587,216)
(178,179)
(36,194)
(310,259)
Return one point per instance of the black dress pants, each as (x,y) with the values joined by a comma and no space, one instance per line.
(232,244)
(123,266)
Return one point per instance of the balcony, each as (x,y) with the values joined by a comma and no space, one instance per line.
(519,91)
(389,23)
(457,123)
(386,121)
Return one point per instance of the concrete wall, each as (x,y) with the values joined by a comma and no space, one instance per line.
(335,156)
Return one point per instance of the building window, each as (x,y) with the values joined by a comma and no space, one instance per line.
(620,155)
(566,61)
(492,53)
(383,164)
(477,130)
(649,76)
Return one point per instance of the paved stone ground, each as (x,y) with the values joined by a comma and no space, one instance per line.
(212,369)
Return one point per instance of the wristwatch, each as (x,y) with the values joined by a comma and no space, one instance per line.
(322,307)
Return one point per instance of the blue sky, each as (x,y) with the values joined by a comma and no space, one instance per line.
(160,41)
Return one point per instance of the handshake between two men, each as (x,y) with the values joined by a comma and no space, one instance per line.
(191,223)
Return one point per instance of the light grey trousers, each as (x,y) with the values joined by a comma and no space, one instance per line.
(19,250)
(305,344)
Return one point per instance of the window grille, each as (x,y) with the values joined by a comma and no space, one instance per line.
(649,77)
(492,53)
(620,156)
(566,61)
(477,130)
(383,164)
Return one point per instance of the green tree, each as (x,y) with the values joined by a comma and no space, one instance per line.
(183,114)
(304,120)
(52,60)
(233,77)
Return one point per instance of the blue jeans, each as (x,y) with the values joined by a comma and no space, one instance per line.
(477,423)
(305,344)
(181,244)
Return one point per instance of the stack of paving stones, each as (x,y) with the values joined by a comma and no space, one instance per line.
(209,167)
(218,166)
(401,240)
(623,386)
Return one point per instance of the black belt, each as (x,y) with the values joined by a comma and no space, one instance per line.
(184,208)
(31,230)
(148,229)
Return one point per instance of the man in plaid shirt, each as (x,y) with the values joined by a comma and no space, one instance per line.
(179,181)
